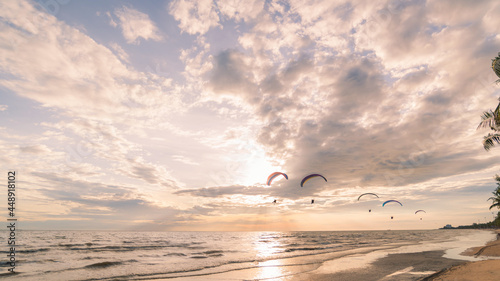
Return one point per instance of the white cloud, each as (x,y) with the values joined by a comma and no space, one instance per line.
(120,52)
(135,25)
(3,107)
(194,16)
(112,22)
(69,70)
(185,160)
(241,10)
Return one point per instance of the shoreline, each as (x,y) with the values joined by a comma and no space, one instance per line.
(485,270)
(403,262)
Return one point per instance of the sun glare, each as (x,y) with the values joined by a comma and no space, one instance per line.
(257,169)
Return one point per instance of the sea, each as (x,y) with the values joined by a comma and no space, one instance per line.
(96,255)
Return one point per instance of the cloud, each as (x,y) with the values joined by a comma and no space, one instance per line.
(352,112)
(375,95)
(241,10)
(120,52)
(194,16)
(185,160)
(104,204)
(71,71)
(230,76)
(3,107)
(35,149)
(135,25)
(213,192)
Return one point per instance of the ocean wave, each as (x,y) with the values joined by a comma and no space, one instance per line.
(105,264)
(213,252)
(198,257)
(175,255)
(305,249)
(29,251)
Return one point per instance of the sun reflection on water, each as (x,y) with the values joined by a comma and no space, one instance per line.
(266,246)
(271,269)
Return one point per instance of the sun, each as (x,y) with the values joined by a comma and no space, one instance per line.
(257,169)
(256,166)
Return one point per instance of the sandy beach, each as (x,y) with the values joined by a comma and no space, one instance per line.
(484,270)
(423,266)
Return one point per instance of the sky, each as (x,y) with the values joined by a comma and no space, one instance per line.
(170,115)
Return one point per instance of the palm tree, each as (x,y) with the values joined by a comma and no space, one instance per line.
(496,199)
(495,64)
(491,119)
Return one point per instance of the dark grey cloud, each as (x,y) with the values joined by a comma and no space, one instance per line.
(296,68)
(214,192)
(34,149)
(231,76)
(103,204)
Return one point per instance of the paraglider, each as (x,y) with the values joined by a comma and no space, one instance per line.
(389,201)
(367,194)
(369,211)
(309,177)
(274,175)
(420,211)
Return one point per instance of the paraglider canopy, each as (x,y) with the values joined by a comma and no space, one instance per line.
(310,177)
(367,194)
(420,211)
(389,201)
(274,175)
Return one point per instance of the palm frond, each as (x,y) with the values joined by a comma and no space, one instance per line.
(488,120)
(495,205)
(490,140)
(495,64)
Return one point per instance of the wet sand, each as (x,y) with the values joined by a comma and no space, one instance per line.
(392,267)
(401,267)
(422,262)
(486,270)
